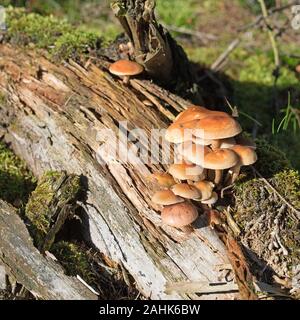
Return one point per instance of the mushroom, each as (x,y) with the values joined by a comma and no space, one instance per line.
(179,215)
(165,198)
(186,191)
(193,152)
(125,69)
(184,171)
(163,179)
(212,200)
(246,157)
(214,127)
(219,160)
(205,188)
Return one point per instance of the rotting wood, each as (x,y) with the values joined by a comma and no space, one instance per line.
(53,122)
(41,276)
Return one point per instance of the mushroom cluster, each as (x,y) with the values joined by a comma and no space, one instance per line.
(210,151)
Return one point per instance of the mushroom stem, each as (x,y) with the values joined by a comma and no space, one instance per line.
(126,79)
(235,172)
(216,144)
(218,177)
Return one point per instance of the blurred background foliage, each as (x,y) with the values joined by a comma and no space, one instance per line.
(247,73)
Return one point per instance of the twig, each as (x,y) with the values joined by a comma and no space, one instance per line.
(215,66)
(270,12)
(204,37)
(270,33)
(297,212)
(87,285)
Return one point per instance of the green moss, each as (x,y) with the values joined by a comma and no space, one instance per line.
(61,39)
(16,181)
(74,259)
(51,195)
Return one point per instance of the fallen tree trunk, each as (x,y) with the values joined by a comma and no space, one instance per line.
(40,275)
(52,116)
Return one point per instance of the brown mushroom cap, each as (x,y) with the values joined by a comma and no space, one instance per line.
(214,127)
(179,215)
(165,198)
(205,188)
(220,159)
(178,133)
(125,68)
(163,179)
(184,171)
(194,153)
(186,191)
(197,113)
(247,155)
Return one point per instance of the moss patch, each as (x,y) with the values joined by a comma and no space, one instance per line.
(74,259)
(16,181)
(54,192)
(60,38)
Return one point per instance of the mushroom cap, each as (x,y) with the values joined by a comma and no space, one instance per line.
(247,155)
(165,198)
(186,191)
(220,159)
(196,113)
(214,127)
(206,189)
(192,152)
(178,133)
(227,143)
(163,179)
(212,200)
(184,171)
(179,215)
(125,68)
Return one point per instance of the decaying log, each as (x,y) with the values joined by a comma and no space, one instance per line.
(40,275)
(52,120)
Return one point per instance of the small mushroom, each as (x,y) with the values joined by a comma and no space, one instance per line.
(219,160)
(186,191)
(165,198)
(184,171)
(246,156)
(163,179)
(206,189)
(179,215)
(125,69)
(212,200)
